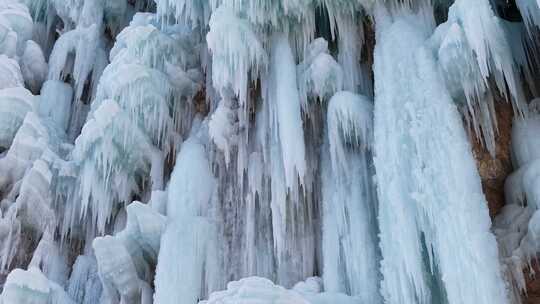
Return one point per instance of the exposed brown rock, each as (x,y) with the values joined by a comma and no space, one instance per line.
(494,171)
(532,283)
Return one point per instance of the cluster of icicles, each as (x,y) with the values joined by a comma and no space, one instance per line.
(177,151)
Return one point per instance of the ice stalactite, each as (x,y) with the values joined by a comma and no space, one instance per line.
(476,58)
(429,191)
(131,127)
(237,53)
(348,30)
(284,154)
(191,230)
(238,59)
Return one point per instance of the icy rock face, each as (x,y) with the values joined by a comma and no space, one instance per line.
(471,48)
(517,225)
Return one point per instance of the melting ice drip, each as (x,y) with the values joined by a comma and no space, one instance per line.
(161,151)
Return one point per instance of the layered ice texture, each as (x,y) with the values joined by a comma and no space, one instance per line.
(287,151)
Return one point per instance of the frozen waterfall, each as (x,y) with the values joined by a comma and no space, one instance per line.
(267,151)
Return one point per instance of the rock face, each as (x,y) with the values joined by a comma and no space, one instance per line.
(533,286)
(494,171)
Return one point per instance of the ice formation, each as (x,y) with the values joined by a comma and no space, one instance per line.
(285,151)
(429,209)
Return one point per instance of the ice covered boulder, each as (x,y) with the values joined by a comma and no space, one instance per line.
(126,277)
(10,73)
(55,103)
(33,66)
(32,287)
(16,26)
(16,30)
(15,103)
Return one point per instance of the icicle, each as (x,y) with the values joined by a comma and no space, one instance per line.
(282,142)
(194,13)
(132,123)
(190,233)
(284,96)
(486,38)
(350,253)
(237,53)
(472,47)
